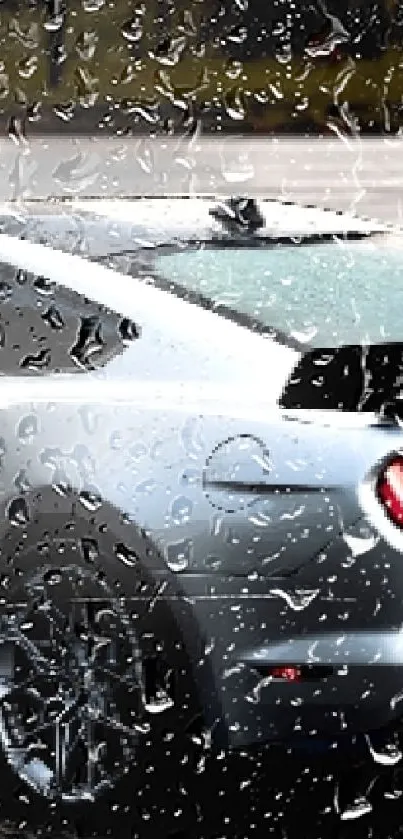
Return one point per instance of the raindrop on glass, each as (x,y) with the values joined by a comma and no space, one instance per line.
(17,512)
(181,509)
(28,428)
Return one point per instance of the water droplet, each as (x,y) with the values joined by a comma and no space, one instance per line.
(91,499)
(396,700)
(128,74)
(181,509)
(132,30)
(238,171)
(51,457)
(52,577)
(20,97)
(44,286)
(148,111)
(157,705)
(234,104)
(90,550)
(6,292)
(61,483)
(190,477)
(138,451)
(324,47)
(54,23)
(128,330)
(89,342)
(86,45)
(169,51)
(34,111)
(306,336)
(297,600)
(4,82)
(284,53)
(126,555)
(28,66)
(17,512)
(146,487)
(359,808)
(116,441)
(213,563)
(36,362)
(53,318)
(21,482)
(65,111)
(145,157)
(84,461)
(191,437)
(216,524)
(89,418)
(16,130)
(28,428)
(360,545)
(238,35)
(28,36)
(86,87)
(178,555)
(233,69)
(93,5)
(388,755)
(393,794)
(255,697)
(187,25)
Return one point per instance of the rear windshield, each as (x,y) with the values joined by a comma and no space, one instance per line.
(324,295)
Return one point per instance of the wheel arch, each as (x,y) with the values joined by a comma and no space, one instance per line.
(108,540)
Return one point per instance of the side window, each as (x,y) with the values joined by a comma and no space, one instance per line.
(47,329)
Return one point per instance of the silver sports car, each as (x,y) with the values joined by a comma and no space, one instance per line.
(201,492)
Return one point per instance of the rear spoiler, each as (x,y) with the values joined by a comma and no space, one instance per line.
(351,378)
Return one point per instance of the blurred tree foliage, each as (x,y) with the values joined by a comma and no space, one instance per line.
(295,65)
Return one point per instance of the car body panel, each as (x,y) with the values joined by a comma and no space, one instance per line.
(162,353)
(263,545)
(263,494)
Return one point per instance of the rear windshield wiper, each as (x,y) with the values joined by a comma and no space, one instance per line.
(240,214)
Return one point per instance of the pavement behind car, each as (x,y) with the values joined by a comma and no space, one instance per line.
(362,175)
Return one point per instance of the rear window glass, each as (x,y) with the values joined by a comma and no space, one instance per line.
(323,295)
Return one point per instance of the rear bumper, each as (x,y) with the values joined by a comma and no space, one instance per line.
(355,698)
(345,636)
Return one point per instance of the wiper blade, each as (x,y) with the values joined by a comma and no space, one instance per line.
(239,214)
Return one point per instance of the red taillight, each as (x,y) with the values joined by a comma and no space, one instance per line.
(390,490)
(287,674)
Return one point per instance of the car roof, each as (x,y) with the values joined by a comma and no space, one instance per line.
(170,344)
(102,226)
(95,228)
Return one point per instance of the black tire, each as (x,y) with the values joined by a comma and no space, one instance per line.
(86,640)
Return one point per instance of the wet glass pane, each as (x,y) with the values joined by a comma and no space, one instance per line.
(201,530)
(327,295)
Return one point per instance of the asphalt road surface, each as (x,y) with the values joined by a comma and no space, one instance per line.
(362,175)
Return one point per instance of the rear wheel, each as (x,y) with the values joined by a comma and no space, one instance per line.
(96,700)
